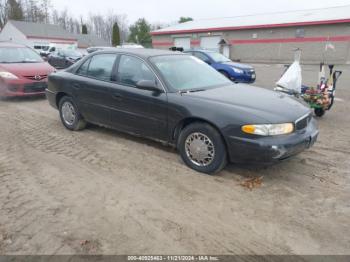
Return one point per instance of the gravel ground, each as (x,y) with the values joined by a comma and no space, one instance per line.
(102,192)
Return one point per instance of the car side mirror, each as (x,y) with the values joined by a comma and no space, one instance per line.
(208,62)
(148,85)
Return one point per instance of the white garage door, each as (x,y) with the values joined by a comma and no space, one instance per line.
(210,42)
(185,43)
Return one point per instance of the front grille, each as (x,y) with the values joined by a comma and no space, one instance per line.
(303,122)
(36,77)
(35,87)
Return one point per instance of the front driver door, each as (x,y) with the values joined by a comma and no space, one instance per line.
(138,111)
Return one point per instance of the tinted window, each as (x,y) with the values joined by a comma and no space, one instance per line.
(101,66)
(201,56)
(84,68)
(131,70)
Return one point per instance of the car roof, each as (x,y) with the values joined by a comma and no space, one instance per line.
(141,52)
(10,44)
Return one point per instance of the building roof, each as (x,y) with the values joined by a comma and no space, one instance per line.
(37,30)
(85,41)
(330,15)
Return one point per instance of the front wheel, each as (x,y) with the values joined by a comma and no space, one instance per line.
(70,115)
(202,148)
(320,112)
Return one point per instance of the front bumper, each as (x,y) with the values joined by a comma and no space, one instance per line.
(269,150)
(246,77)
(19,88)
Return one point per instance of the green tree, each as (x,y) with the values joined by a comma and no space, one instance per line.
(115,35)
(140,33)
(14,10)
(84,29)
(185,19)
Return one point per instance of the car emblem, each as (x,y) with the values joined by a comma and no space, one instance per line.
(38,78)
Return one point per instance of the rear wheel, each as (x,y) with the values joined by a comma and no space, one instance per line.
(70,115)
(202,148)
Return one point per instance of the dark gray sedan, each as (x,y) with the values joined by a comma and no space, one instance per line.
(180,100)
(64,58)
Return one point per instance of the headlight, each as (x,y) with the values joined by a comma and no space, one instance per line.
(8,75)
(269,130)
(237,70)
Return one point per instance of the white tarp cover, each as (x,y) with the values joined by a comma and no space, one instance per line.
(292,79)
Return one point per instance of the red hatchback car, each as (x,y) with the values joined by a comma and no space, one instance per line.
(22,71)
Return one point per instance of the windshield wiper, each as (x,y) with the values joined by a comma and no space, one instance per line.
(27,62)
(19,62)
(191,91)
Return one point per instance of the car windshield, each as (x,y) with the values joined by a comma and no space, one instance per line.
(186,73)
(218,58)
(19,55)
(71,53)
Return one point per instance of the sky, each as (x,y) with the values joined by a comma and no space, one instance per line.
(168,11)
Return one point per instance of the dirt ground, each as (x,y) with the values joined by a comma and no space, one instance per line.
(102,192)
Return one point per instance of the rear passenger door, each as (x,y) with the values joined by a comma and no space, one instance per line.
(92,86)
(138,111)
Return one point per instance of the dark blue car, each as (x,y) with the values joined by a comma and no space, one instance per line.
(236,72)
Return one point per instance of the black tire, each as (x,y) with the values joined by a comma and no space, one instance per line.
(78,123)
(219,160)
(320,112)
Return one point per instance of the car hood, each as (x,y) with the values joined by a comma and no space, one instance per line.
(238,65)
(270,106)
(28,69)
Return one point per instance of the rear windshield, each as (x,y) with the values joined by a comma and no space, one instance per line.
(19,55)
(218,58)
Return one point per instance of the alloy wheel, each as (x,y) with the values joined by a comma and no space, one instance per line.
(68,113)
(200,149)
